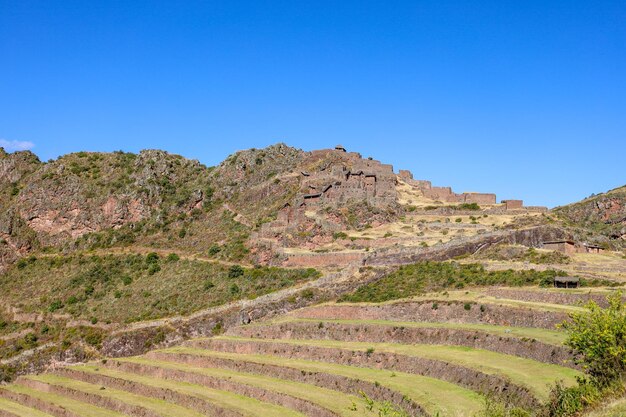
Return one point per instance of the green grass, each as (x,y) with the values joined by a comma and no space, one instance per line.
(537,376)
(472,296)
(552,337)
(81,408)
(436,396)
(615,409)
(20,410)
(157,405)
(421,277)
(249,407)
(337,402)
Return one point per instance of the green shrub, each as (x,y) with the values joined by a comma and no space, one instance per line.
(214,250)
(55,305)
(340,235)
(599,336)
(172,257)
(152,258)
(235,271)
(467,206)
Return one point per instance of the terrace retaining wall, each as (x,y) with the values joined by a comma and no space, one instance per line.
(445,311)
(456,374)
(511,345)
(321,379)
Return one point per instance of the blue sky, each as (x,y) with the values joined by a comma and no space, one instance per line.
(525,99)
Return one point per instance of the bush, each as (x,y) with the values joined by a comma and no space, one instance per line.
(152,258)
(339,235)
(468,206)
(235,271)
(214,250)
(55,305)
(172,257)
(599,336)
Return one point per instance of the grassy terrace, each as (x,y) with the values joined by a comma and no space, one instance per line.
(472,296)
(339,403)
(552,337)
(20,410)
(525,372)
(434,395)
(81,408)
(247,406)
(156,405)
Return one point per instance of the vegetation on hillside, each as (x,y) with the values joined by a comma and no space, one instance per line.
(127,288)
(598,336)
(421,277)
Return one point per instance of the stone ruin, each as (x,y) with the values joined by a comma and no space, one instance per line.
(348,178)
(445,194)
(341,176)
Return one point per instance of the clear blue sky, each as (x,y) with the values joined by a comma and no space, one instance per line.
(525,99)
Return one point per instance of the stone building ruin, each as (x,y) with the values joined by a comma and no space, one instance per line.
(445,194)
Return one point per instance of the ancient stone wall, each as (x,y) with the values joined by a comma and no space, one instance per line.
(479,198)
(513,204)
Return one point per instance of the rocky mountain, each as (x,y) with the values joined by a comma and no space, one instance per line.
(91,200)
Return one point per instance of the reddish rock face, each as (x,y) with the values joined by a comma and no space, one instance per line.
(603,213)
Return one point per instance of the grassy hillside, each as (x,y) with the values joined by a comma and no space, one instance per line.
(127,288)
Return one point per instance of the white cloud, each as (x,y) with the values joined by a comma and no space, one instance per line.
(16,145)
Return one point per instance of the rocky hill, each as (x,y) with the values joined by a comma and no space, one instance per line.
(600,218)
